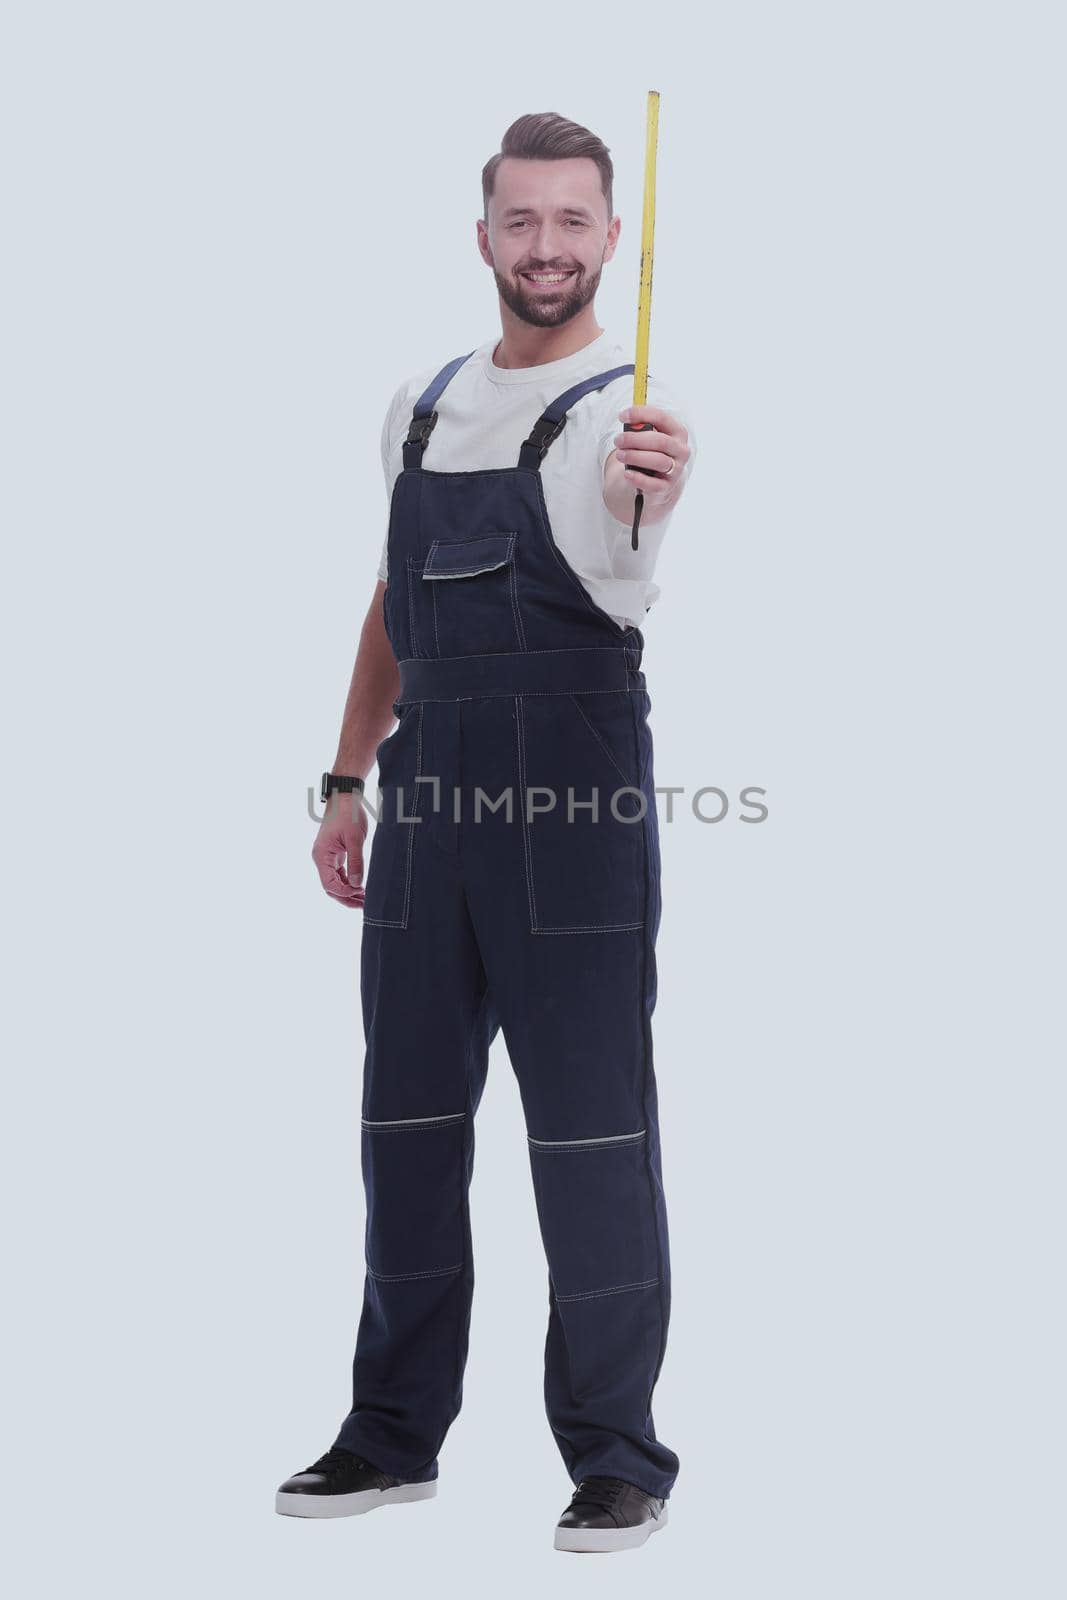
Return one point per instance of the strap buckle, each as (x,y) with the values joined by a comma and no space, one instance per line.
(421,429)
(544,431)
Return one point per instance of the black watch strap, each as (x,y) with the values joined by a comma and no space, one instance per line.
(332,783)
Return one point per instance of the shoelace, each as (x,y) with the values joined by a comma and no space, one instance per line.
(336,1459)
(603,1493)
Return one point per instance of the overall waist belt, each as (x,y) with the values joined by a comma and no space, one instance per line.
(521,672)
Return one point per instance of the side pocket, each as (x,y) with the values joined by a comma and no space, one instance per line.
(391,867)
(583,821)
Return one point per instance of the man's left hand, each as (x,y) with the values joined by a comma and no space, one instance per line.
(662,450)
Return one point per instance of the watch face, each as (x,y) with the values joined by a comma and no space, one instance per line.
(324,791)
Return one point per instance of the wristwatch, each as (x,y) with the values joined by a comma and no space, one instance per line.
(332,784)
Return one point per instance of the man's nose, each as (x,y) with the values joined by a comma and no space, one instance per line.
(548,245)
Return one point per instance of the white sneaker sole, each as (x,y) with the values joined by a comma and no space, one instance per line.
(351,1505)
(590,1540)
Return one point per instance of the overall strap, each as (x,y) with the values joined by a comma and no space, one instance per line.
(423,416)
(551,422)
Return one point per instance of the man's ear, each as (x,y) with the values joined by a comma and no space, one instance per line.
(482,237)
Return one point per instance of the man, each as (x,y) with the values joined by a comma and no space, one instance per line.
(514,876)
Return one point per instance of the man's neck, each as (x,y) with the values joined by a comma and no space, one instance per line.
(524,346)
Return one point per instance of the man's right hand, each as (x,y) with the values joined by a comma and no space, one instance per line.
(338,848)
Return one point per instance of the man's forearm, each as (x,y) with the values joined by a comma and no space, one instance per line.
(368,715)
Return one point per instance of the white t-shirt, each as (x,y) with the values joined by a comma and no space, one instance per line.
(487,411)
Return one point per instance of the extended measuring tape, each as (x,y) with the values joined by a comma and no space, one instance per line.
(644,294)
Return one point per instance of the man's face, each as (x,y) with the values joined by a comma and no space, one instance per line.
(547,218)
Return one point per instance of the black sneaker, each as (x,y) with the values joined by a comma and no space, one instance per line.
(342,1484)
(608,1514)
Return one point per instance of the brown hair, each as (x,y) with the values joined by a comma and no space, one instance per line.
(546,136)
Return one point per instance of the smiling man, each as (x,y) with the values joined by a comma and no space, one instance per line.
(514,879)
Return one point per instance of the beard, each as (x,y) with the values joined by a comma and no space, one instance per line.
(544,310)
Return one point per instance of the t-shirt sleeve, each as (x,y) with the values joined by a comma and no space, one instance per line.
(391,462)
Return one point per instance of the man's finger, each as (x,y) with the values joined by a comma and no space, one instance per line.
(347,900)
(331,865)
(661,420)
(354,868)
(656,460)
(336,884)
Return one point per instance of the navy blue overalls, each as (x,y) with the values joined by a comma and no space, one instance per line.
(525,894)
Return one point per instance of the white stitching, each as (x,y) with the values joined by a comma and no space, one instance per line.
(478,538)
(655,1189)
(464,572)
(406,1277)
(453,544)
(436,634)
(402,922)
(412,1122)
(594,927)
(468,573)
(416,812)
(485,693)
(598,736)
(427,1127)
(411,615)
(514,589)
(559,650)
(618,1288)
(584,1144)
(525,825)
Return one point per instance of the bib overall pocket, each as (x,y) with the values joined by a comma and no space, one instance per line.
(583,812)
(463,600)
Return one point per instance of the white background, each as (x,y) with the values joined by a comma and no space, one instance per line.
(231,229)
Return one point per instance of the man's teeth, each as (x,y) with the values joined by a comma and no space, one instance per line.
(547,277)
